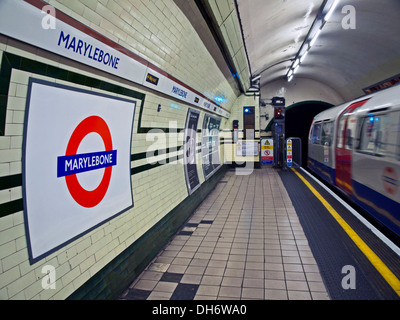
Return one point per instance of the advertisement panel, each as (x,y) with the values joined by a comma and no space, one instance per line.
(190,151)
(76,163)
(210,145)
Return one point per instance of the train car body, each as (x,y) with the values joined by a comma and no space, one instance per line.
(356,147)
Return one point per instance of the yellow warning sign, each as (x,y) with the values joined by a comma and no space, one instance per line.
(267,154)
(267,145)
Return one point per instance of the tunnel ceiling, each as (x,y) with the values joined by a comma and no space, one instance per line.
(274,30)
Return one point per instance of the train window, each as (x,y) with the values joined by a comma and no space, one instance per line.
(340,132)
(378,135)
(316,137)
(351,128)
(327,133)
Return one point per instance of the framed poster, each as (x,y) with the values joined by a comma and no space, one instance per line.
(76,163)
(210,145)
(247,148)
(190,152)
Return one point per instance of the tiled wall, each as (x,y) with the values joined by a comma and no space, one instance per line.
(157,31)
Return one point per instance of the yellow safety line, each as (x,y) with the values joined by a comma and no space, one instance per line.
(372,257)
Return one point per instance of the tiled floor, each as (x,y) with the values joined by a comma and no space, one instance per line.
(245,241)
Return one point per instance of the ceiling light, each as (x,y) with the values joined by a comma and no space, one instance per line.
(331,10)
(303,57)
(312,35)
(315,37)
(253,89)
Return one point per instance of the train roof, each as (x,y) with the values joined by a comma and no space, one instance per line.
(387,98)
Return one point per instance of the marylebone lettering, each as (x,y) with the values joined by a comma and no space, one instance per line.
(87,50)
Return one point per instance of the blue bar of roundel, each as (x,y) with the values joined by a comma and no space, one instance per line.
(68,165)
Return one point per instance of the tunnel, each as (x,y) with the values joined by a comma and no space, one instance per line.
(298,122)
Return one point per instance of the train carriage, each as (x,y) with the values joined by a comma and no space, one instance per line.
(356,147)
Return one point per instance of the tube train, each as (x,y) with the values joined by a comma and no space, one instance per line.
(356,147)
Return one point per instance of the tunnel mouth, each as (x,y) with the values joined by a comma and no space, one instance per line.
(298,120)
(299,117)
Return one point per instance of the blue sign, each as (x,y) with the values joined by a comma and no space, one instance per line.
(69,165)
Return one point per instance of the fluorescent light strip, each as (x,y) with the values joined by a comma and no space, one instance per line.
(331,10)
(312,42)
(252,90)
(303,57)
(319,24)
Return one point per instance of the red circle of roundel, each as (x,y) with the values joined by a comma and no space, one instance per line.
(89,199)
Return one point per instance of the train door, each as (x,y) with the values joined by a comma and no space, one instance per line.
(344,148)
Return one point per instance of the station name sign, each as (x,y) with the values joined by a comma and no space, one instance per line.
(68,165)
(71,39)
(87,50)
(77,169)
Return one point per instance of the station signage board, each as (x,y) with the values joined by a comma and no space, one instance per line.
(79,43)
(76,163)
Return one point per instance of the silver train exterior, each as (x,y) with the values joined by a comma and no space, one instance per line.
(356,147)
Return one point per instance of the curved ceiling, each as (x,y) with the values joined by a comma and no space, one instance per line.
(274,31)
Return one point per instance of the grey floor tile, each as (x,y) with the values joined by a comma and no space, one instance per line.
(165,286)
(208,290)
(245,241)
(299,295)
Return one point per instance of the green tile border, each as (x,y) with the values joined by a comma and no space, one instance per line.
(11,61)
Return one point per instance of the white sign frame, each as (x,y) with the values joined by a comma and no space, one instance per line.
(53,217)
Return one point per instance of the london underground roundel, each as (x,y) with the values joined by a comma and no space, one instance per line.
(72,163)
(76,163)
